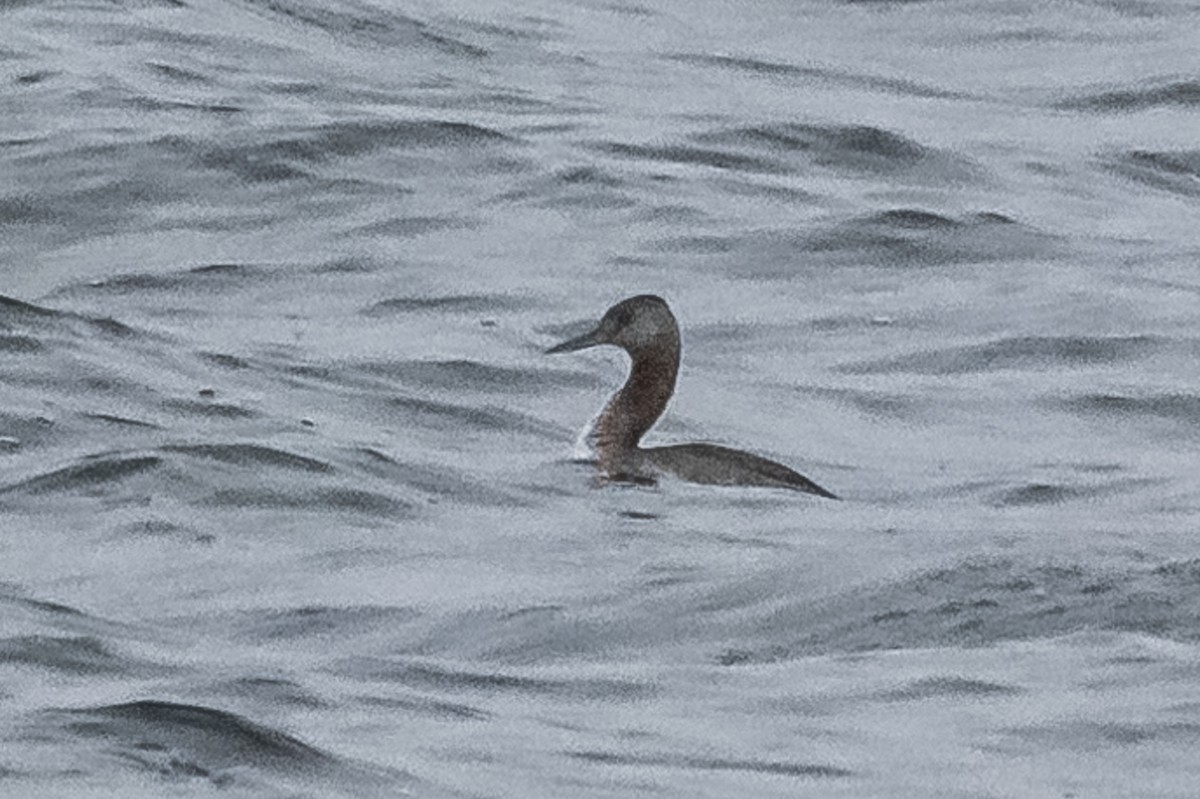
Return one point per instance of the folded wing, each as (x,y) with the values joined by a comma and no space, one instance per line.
(715,465)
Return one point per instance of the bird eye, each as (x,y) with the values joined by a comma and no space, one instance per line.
(622,316)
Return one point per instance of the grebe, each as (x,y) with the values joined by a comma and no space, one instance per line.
(645,328)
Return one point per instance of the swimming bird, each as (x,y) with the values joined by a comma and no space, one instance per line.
(646,329)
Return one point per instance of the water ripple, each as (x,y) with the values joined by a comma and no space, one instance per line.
(75,655)
(820,74)
(980,602)
(209,739)
(94,472)
(1177,172)
(692,763)
(1181,93)
(442,678)
(853,147)
(1023,352)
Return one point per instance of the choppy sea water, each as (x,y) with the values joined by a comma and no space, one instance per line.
(287,505)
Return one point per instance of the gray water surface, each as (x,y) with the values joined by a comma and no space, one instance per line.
(287,502)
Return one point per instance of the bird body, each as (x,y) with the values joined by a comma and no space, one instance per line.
(646,329)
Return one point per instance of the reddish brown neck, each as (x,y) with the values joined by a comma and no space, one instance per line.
(636,407)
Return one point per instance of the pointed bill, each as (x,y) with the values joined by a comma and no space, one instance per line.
(591,339)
